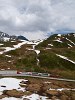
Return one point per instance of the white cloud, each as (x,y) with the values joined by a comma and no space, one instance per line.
(36,17)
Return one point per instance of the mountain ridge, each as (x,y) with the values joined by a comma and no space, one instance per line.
(7,37)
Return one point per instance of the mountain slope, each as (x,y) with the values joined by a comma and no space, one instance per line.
(55,55)
(59,41)
(58,53)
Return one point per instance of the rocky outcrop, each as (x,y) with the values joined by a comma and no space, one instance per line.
(13,93)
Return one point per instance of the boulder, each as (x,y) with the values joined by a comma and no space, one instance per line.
(36,88)
(13,93)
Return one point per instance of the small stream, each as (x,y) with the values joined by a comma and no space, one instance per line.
(37,52)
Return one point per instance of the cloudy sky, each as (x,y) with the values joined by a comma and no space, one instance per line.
(37,18)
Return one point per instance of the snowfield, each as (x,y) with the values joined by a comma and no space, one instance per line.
(13,83)
(10,83)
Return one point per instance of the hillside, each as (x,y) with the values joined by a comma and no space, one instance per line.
(55,55)
(58,54)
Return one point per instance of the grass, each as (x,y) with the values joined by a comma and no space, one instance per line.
(25,60)
(50,60)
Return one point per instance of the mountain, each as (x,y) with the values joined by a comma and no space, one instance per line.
(6,37)
(55,54)
(22,38)
(59,41)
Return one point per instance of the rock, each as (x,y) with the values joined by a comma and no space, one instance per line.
(25,82)
(27,93)
(52,92)
(36,88)
(3,96)
(23,85)
(13,93)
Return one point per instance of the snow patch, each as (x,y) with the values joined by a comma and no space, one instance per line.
(69,45)
(19,45)
(36,97)
(58,41)
(1,44)
(15,47)
(50,44)
(63,57)
(59,35)
(8,56)
(11,98)
(37,51)
(70,41)
(6,39)
(9,86)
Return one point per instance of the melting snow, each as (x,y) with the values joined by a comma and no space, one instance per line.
(61,89)
(69,45)
(31,97)
(19,45)
(36,97)
(59,35)
(15,47)
(10,98)
(13,41)
(50,44)
(63,57)
(1,44)
(8,56)
(10,83)
(15,85)
(74,35)
(58,41)
(6,39)
(70,41)
(37,51)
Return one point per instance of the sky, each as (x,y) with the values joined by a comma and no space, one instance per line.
(36,19)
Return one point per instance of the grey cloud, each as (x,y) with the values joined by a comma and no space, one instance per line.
(36,17)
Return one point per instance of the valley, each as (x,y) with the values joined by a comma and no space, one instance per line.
(48,65)
(50,55)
